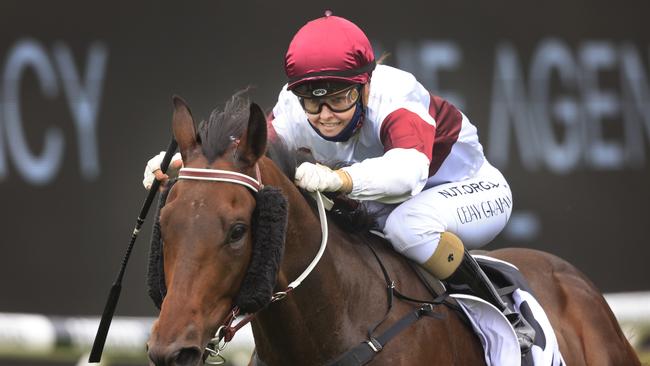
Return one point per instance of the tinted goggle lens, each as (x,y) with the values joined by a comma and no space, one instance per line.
(339,102)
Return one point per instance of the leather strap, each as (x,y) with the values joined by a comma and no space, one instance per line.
(366,351)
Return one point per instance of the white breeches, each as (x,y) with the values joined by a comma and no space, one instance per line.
(476,210)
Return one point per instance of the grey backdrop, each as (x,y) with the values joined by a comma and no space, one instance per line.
(558,90)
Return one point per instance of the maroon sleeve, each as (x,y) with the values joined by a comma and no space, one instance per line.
(448,122)
(406,130)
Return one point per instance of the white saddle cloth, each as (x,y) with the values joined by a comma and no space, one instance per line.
(499,341)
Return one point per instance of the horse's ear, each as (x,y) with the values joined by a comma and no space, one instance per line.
(253,143)
(183,127)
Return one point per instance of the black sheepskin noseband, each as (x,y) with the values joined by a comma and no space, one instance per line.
(269,230)
(156,270)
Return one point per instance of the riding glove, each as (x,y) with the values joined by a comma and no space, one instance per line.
(316,177)
(154,164)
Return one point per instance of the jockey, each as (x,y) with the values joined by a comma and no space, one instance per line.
(415,158)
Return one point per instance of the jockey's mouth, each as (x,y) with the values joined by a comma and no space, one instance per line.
(330,124)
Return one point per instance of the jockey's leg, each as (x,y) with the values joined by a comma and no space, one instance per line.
(452,264)
(434,227)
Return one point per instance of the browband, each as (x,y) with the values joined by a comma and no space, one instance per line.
(216,175)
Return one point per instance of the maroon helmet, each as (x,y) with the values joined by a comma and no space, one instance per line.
(332,50)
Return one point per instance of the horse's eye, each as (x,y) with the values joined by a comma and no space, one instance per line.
(236,232)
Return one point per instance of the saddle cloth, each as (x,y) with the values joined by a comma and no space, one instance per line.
(493,329)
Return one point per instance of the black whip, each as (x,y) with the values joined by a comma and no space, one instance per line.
(114,294)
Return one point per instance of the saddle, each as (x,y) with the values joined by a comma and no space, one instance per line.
(511,285)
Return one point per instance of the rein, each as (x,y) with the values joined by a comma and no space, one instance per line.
(226,331)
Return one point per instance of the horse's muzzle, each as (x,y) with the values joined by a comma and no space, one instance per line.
(175,355)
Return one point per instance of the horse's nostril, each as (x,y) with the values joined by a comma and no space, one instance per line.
(188,356)
(156,358)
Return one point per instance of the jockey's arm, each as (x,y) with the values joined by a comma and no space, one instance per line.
(392,178)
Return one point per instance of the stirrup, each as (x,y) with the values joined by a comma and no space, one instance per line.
(470,278)
(523,330)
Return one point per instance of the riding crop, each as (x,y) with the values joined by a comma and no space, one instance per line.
(114,294)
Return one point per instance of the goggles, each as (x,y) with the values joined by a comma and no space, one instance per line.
(339,102)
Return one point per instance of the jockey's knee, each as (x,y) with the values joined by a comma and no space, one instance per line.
(447,257)
(413,239)
(439,253)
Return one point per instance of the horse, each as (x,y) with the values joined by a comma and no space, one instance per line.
(209,232)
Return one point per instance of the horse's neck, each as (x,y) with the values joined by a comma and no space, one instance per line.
(304,235)
(303,241)
(345,295)
(314,319)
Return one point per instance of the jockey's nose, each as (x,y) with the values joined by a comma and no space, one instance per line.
(326,112)
(174,355)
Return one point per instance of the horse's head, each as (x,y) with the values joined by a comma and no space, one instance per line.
(210,231)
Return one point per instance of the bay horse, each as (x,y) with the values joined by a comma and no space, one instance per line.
(208,228)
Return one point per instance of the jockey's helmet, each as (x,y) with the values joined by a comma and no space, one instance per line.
(326,56)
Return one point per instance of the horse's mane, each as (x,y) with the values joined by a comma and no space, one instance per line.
(224,126)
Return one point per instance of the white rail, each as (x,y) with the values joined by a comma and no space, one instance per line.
(32,336)
(630,306)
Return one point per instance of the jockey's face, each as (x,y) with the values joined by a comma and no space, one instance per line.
(330,123)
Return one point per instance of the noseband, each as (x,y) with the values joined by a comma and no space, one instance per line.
(226,331)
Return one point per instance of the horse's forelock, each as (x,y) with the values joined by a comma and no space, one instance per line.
(217,133)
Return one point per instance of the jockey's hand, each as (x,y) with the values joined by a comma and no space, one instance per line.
(152,169)
(316,177)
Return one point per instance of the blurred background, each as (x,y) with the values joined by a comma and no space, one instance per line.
(559,91)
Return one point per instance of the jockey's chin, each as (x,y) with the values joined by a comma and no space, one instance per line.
(330,123)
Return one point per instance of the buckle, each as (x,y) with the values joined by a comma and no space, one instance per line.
(279,296)
(374,345)
(425,308)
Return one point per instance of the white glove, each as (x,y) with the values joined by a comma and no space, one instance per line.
(316,177)
(153,165)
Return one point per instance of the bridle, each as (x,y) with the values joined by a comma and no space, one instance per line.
(227,330)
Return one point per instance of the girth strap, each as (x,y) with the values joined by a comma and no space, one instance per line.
(364,352)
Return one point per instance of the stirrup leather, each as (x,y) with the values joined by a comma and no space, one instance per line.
(523,330)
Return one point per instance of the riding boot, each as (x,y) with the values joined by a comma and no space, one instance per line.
(469,278)
(452,264)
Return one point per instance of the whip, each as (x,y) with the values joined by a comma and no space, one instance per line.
(114,294)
